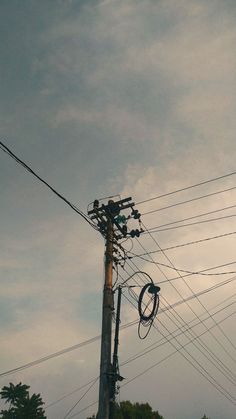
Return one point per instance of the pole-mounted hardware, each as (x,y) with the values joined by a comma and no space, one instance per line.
(113,210)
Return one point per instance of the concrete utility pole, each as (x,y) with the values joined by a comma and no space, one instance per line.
(108,308)
(113,226)
(115,367)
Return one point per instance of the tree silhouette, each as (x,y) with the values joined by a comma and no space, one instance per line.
(128,410)
(21,404)
(12,394)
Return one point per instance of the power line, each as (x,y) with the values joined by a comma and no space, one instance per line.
(189,224)
(190,200)
(189,272)
(201,343)
(4,148)
(197,295)
(81,398)
(149,369)
(96,401)
(183,300)
(192,217)
(187,187)
(170,355)
(153,346)
(68,394)
(202,371)
(59,353)
(83,410)
(191,290)
(207,375)
(183,329)
(183,244)
(163,341)
(48,357)
(95,338)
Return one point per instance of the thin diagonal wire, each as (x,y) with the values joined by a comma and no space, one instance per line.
(81,398)
(190,200)
(191,224)
(4,148)
(187,187)
(192,217)
(204,346)
(191,290)
(162,341)
(137,376)
(164,359)
(203,371)
(124,326)
(68,394)
(200,272)
(183,244)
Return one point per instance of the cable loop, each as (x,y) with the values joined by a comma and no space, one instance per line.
(146,320)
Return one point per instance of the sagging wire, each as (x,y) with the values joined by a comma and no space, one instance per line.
(151,291)
(124,241)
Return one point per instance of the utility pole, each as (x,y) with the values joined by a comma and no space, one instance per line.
(112,225)
(108,308)
(115,367)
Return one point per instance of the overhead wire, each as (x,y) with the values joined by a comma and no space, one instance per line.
(48,357)
(158,230)
(189,287)
(83,410)
(135,322)
(81,398)
(203,306)
(7,150)
(65,396)
(154,365)
(188,275)
(203,214)
(134,255)
(189,200)
(144,351)
(190,272)
(193,361)
(202,344)
(124,363)
(167,339)
(96,338)
(187,187)
(202,371)
(169,356)
(179,332)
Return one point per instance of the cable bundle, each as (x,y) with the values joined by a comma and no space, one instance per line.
(148,311)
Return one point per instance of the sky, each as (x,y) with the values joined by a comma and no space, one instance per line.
(110,97)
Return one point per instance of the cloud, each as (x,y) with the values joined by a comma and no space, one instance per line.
(127,97)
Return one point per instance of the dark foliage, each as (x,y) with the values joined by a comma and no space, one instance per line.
(22,405)
(128,410)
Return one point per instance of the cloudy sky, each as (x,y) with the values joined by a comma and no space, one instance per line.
(112,97)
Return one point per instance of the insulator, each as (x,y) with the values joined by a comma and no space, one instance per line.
(124,230)
(113,208)
(96,203)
